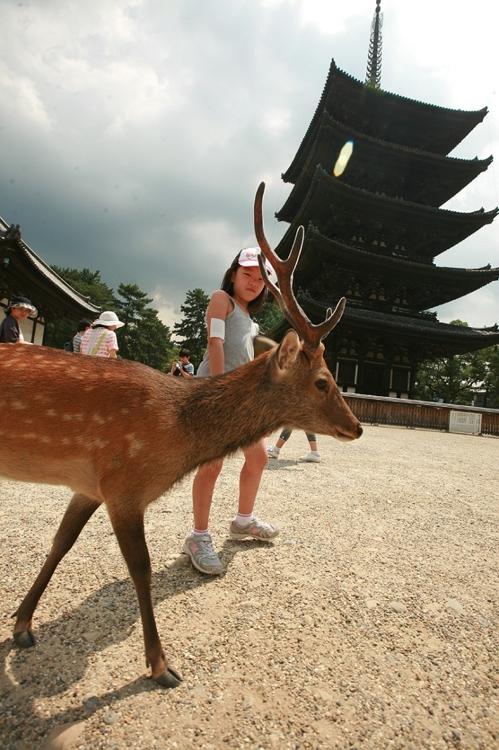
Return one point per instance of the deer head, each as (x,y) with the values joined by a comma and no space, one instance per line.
(299,359)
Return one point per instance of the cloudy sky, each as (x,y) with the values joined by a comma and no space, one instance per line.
(135,132)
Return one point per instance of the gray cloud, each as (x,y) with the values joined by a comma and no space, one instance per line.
(134,134)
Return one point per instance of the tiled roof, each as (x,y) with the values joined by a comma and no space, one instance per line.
(50,275)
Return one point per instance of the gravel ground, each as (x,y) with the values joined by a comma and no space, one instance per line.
(369,623)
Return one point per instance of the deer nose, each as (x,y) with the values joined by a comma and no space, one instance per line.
(359,430)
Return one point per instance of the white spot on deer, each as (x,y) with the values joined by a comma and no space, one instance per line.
(135,445)
(51,413)
(45,440)
(65,441)
(125,411)
(97,418)
(19,405)
(98,443)
(76,417)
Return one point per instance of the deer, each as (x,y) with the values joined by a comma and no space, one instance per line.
(120,434)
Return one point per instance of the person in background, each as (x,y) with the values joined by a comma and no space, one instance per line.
(18,310)
(313,457)
(83,326)
(100,340)
(183,368)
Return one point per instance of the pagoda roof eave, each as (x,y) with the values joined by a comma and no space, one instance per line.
(460,339)
(358,257)
(453,173)
(441,283)
(438,135)
(325,190)
(24,253)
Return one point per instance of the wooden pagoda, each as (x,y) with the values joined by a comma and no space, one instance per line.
(373,233)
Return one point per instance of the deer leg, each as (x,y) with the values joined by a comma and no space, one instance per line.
(78,512)
(131,538)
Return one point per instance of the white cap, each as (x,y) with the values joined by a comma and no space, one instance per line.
(249,257)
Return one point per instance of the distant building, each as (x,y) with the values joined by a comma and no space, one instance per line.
(23,272)
(373,232)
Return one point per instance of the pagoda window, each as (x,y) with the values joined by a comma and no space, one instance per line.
(347,374)
(375,379)
(400,381)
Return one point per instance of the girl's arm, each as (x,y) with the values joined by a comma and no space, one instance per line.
(112,345)
(219,307)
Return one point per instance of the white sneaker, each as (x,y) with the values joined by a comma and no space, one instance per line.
(314,457)
(273,452)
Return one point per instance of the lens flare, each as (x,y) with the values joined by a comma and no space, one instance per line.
(343,159)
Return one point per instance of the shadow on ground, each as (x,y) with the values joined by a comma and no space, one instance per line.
(65,644)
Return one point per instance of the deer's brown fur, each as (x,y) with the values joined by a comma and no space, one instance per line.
(122,434)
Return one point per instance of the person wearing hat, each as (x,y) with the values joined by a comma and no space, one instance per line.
(19,309)
(100,340)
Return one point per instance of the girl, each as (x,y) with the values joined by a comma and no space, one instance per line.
(230,344)
(100,340)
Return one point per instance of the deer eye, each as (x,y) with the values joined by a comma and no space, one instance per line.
(322,384)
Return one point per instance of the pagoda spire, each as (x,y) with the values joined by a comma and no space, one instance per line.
(373,73)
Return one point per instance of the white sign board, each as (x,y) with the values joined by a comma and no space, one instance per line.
(467,422)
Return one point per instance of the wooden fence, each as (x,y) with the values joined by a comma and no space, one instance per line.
(410,413)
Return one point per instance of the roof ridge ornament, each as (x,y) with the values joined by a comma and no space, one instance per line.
(373,73)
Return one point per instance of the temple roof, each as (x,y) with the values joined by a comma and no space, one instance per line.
(387,116)
(448,338)
(398,171)
(25,272)
(431,285)
(379,223)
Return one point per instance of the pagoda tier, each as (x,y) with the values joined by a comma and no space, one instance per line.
(329,270)
(383,225)
(378,353)
(386,116)
(417,176)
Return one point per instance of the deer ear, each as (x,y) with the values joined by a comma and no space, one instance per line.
(288,351)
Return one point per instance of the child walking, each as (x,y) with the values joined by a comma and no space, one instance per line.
(230,344)
(312,457)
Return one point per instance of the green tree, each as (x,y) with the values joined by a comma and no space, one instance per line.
(90,285)
(459,378)
(269,317)
(490,357)
(191,330)
(149,341)
(132,306)
(143,338)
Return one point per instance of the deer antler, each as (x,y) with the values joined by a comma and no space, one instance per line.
(311,333)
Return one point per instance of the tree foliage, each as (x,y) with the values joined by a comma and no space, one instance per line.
(191,330)
(461,378)
(269,317)
(143,338)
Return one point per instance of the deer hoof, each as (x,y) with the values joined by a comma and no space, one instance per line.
(169,678)
(24,639)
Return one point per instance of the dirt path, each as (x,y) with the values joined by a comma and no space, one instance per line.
(370,623)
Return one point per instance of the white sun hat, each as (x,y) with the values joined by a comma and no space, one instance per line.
(108,318)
